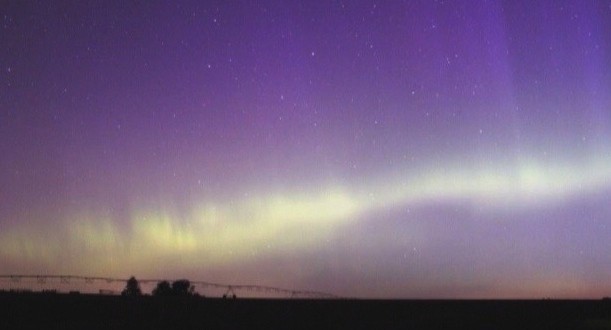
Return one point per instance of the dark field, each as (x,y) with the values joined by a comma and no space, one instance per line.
(79,311)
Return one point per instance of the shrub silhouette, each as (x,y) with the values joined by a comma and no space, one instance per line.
(132,288)
(178,288)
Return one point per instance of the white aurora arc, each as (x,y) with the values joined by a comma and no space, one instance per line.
(221,233)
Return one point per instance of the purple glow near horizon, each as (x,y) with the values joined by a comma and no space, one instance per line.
(370,149)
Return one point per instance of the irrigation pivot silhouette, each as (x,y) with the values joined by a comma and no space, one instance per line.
(230,289)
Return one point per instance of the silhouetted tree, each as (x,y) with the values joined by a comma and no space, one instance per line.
(132,288)
(163,289)
(178,288)
(183,288)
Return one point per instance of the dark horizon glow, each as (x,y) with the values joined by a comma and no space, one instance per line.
(403,149)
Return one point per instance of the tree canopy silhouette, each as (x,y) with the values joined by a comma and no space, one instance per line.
(177,288)
(132,288)
(183,288)
(163,289)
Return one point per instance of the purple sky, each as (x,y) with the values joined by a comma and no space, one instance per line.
(364,148)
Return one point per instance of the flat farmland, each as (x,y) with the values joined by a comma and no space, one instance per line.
(80,311)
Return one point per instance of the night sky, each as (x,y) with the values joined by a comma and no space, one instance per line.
(408,149)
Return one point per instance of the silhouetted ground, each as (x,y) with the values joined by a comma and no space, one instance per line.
(79,311)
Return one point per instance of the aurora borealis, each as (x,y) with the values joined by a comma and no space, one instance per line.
(396,149)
